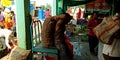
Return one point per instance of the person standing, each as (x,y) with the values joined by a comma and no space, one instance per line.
(112,52)
(1,18)
(93,40)
(100,44)
(47,13)
(8,21)
(12,17)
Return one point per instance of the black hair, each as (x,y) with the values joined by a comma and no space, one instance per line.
(68,17)
(12,12)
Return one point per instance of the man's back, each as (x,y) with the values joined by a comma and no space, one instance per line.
(48,31)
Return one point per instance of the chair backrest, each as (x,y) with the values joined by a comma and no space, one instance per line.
(35,29)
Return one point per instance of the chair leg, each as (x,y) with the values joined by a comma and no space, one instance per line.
(32,56)
(57,57)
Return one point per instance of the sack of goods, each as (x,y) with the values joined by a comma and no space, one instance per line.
(106,29)
(47,34)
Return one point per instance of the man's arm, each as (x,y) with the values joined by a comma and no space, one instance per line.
(58,25)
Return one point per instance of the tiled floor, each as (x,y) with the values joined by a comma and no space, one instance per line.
(81,50)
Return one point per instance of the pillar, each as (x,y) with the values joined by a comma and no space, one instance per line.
(23,23)
(54,7)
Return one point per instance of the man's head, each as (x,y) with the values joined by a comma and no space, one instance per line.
(66,17)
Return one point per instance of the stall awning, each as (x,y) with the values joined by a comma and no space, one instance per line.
(77,2)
